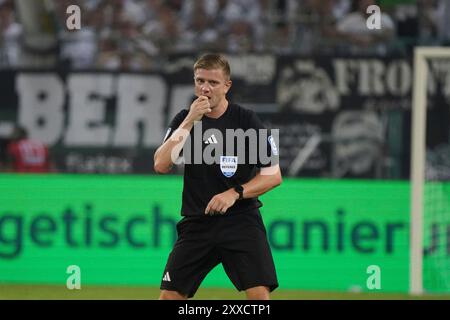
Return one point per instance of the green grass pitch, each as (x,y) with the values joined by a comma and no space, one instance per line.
(54,292)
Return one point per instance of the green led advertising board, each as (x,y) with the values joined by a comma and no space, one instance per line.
(119,230)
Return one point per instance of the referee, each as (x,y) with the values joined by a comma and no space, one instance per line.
(221,220)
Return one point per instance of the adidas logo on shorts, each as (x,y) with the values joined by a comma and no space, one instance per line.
(166,277)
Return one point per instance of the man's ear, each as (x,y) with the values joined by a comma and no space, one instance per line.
(228,84)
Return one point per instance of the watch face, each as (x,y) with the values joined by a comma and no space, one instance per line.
(239,189)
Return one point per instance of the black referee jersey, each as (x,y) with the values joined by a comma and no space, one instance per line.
(232,165)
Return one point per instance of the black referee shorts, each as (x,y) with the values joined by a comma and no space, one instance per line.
(238,241)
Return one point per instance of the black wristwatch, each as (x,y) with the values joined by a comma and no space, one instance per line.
(239,189)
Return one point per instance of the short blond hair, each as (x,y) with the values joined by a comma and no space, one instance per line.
(210,61)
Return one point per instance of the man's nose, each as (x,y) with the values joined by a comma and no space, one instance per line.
(206,88)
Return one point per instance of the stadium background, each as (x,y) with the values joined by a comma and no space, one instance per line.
(101,97)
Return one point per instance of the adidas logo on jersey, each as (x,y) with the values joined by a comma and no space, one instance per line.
(211,140)
(166,277)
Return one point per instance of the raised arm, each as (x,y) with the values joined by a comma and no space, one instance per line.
(166,155)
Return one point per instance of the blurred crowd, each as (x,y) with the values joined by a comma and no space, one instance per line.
(139,34)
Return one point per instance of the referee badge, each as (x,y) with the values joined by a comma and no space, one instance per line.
(273,145)
(228,165)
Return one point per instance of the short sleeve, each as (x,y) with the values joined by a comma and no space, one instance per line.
(267,146)
(175,123)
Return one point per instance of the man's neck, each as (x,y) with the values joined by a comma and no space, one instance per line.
(219,110)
